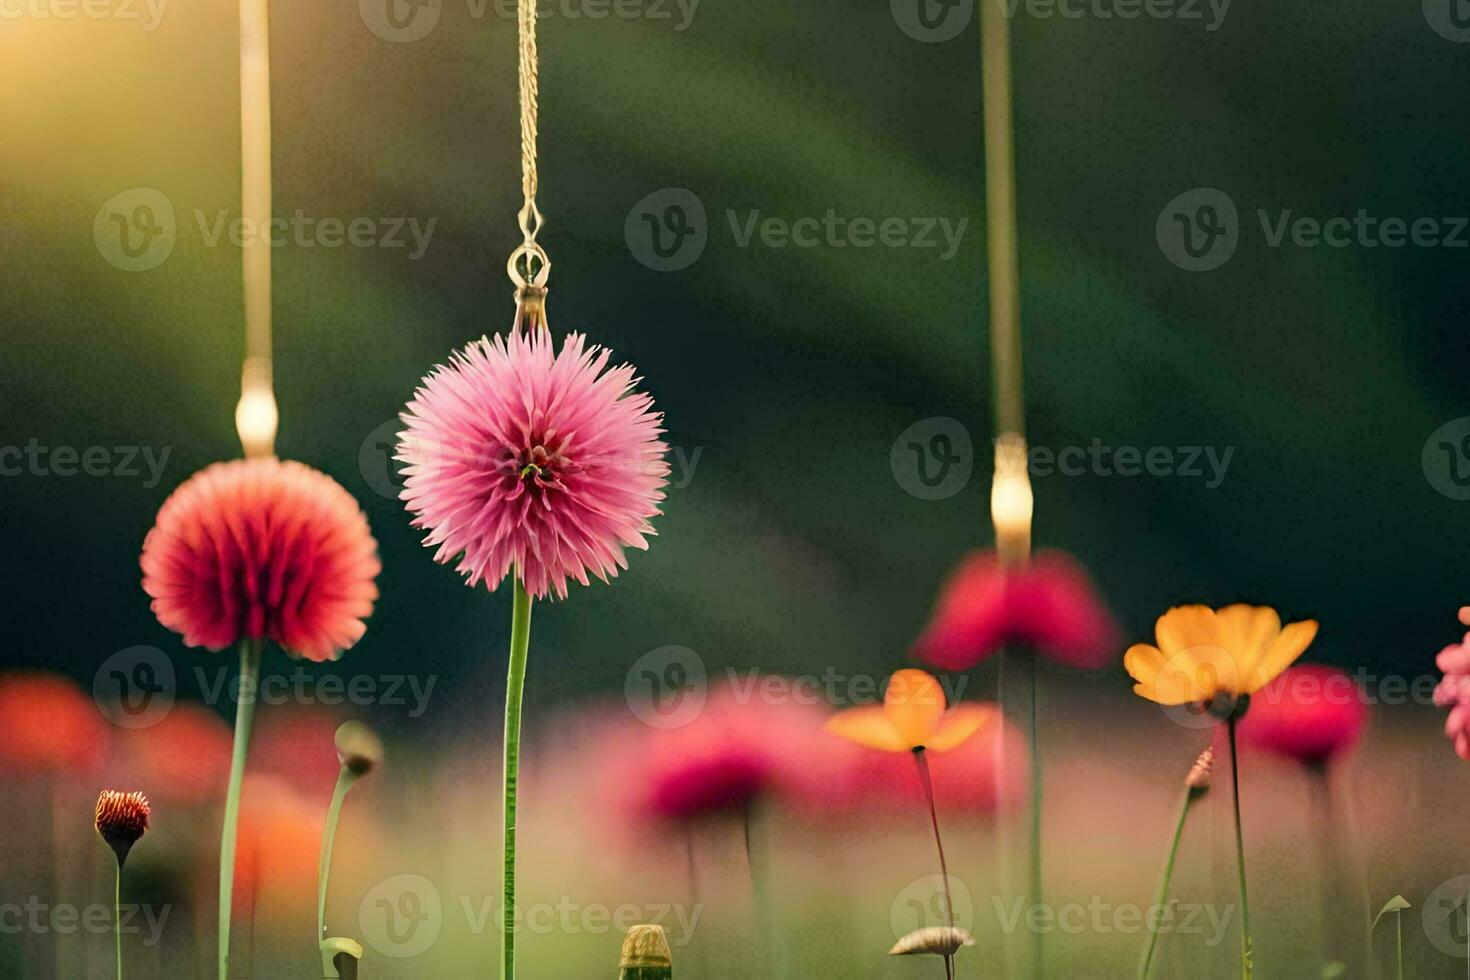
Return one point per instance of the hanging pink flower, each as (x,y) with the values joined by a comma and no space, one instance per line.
(1453,691)
(1048,605)
(1311,713)
(262,548)
(517,455)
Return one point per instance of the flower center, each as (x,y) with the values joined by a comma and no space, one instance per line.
(540,467)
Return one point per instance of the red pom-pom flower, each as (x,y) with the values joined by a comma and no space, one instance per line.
(262,548)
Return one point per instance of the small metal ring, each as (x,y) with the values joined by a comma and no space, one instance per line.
(533,275)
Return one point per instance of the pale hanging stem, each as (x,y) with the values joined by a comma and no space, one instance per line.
(256,414)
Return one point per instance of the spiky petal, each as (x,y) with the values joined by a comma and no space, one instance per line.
(121,818)
(517,455)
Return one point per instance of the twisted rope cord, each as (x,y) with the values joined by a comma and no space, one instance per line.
(528,265)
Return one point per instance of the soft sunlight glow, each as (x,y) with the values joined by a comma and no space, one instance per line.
(1011,502)
(256,419)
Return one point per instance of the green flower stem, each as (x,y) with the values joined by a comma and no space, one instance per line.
(117,917)
(250,651)
(928,783)
(1247,967)
(345,779)
(515,682)
(1036,783)
(1161,895)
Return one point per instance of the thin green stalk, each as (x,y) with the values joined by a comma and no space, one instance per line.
(515,682)
(1036,776)
(1398,925)
(928,783)
(117,917)
(345,779)
(1161,894)
(250,651)
(1247,967)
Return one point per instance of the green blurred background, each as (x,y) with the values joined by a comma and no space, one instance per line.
(786,373)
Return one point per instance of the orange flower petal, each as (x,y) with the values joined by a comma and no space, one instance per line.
(1248,632)
(1290,644)
(913,704)
(868,726)
(957,726)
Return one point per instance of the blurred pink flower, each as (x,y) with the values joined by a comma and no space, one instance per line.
(517,455)
(1048,605)
(262,548)
(742,750)
(1453,691)
(1310,713)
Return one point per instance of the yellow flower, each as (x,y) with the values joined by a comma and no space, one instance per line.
(1206,653)
(912,716)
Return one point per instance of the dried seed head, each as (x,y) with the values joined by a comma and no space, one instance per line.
(936,940)
(358,747)
(121,819)
(1198,780)
(646,946)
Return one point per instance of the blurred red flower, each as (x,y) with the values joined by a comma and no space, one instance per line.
(262,548)
(278,849)
(1048,605)
(1310,713)
(50,726)
(297,744)
(184,758)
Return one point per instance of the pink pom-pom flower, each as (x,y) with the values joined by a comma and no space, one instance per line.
(517,455)
(1453,691)
(261,548)
(1310,713)
(1048,605)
